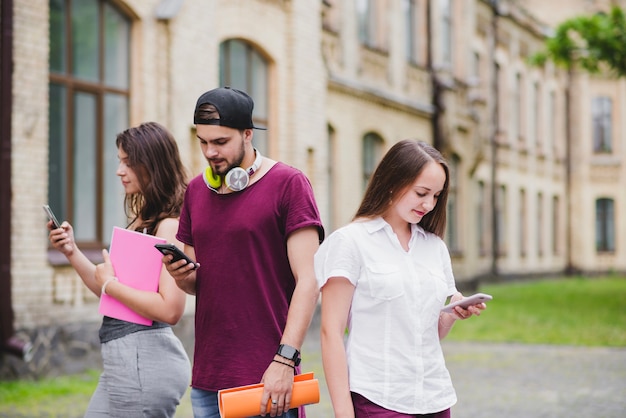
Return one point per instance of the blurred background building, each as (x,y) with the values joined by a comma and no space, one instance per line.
(536,153)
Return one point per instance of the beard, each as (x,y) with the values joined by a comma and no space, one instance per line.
(224,169)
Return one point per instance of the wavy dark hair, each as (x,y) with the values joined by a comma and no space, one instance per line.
(395,173)
(153,155)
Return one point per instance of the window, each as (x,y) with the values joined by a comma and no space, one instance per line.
(536,119)
(500,78)
(522,223)
(601,109)
(516,105)
(372,154)
(244,68)
(452,229)
(552,133)
(367,22)
(555,224)
(89,96)
(446,31)
(372,24)
(409,8)
(605,225)
(540,214)
(501,221)
(481,218)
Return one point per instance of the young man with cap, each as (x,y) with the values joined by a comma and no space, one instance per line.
(253,227)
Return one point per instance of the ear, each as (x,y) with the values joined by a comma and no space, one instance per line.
(248,134)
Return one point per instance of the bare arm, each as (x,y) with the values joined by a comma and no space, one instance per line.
(167,305)
(337,296)
(447,320)
(278,378)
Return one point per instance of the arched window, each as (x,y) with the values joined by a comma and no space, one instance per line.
(244,68)
(89,96)
(372,153)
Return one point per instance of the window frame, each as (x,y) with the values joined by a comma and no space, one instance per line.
(255,84)
(72,86)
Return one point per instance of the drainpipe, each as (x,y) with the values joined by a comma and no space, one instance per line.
(495,114)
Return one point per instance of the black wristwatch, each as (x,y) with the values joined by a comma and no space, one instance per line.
(289,352)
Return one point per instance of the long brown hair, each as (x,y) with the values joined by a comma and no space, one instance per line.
(153,155)
(395,173)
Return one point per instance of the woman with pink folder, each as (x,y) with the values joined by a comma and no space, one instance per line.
(145,367)
(386,277)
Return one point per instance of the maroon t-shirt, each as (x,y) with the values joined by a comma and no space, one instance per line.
(244,284)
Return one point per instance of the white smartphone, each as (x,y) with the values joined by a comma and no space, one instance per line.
(468,301)
(51,216)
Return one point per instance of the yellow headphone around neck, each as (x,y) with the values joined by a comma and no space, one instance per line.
(236,179)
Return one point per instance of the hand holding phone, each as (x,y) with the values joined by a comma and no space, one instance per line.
(51,216)
(171,249)
(468,301)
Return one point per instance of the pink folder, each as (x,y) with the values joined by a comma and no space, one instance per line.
(137,264)
(245,401)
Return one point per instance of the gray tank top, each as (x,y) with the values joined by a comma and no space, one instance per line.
(112,329)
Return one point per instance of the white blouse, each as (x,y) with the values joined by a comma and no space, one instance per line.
(393,350)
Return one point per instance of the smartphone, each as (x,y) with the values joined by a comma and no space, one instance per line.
(467,301)
(51,216)
(178,254)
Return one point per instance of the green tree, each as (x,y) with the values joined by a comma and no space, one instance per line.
(595,42)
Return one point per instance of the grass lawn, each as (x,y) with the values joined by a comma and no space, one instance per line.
(573,311)
(39,391)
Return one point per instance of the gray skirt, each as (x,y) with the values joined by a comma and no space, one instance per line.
(145,374)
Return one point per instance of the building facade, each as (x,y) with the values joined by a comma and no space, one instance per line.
(536,154)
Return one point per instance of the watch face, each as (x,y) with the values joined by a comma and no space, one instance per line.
(288,352)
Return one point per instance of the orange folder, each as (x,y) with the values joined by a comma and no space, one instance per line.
(244,401)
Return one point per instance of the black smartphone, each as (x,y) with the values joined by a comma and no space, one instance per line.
(168,249)
(51,216)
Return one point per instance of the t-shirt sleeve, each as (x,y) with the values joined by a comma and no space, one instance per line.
(338,256)
(299,206)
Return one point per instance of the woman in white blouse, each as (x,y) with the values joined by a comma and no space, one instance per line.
(385,277)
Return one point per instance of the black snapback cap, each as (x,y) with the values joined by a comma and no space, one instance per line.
(233,106)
